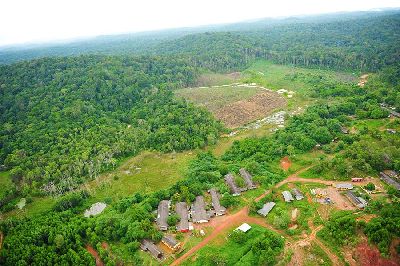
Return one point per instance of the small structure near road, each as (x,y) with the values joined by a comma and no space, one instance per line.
(219,210)
(297,194)
(287,196)
(162,215)
(199,214)
(95,209)
(244,228)
(357,179)
(230,181)
(171,242)
(247,178)
(150,247)
(266,208)
(357,201)
(389,177)
(344,186)
(182,211)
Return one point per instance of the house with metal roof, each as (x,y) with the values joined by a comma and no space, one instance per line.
(147,245)
(388,178)
(357,201)
(218,208)
(244,228)
(171,242)
(230,181)
(248,179)
(297,194)
(266,208)
(162,215)
(198,211)
(287,196)
(182,211)
(344,186)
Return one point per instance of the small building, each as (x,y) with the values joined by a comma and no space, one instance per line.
(230,181)
(182,211)
(357,179)
(244,228)
(247,178)
(218,208)
(357,201)
(297,194)
(162,215)
(388,176)
(147,245)
(199,213)
(287,196)
(344,186)
(171,242)
(266,208)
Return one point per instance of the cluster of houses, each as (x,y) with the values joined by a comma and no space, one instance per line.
(287,196)
(155,251)
(235,189)
(391,177)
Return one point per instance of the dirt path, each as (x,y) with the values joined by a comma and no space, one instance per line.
(95,254)
(285,163)
(1,239)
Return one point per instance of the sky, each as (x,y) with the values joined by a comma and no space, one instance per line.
(32,21)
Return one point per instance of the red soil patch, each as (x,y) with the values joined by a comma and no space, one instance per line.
(242,112)
(370,256)
(95,254)
(285,163)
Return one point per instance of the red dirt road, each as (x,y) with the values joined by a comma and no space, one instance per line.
(95,254)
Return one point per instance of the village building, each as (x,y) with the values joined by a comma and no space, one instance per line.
(199,213)
(357,201)
(218,208)
(230,181)
(147,245)
(247,178)
(171,242)
(162,215)
(357,179)
(344,186)
(266,208)
(297,194)
(287,196)
(182,211)
(388,178)
(244,228)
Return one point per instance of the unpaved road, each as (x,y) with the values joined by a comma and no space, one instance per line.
(95,254)
(242,216)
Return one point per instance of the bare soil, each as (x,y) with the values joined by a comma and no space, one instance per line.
(363,80)
(367,255)
(242,112)
(285,163)
(95,254)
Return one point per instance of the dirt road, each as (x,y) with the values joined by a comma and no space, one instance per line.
(95,254)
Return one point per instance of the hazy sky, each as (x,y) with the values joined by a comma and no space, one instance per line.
(44,20)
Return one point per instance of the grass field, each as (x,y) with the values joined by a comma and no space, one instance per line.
(5,182)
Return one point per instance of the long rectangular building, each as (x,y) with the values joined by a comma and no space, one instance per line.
(147,245)
(218,208)
(230,181)
(247,178)
(389,180)
(287,196)
(182,211)
(199,213)
(266,208)
(357,201)
(162,215)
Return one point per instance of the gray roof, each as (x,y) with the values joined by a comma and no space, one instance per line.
(170,241)
(297,194)
(219,209)
(357,201)
(230,180)
(247,178)
(149,246)
(266,208)
(344,186)
(162,215)
(182,211)
(199,213)
(390,181)
(287,196)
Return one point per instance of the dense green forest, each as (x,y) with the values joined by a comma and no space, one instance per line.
(69,118)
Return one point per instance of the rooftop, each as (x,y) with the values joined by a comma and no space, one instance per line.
(162,215)
(287,196)
(199,214)
(182,211)
(247,178)
(230,180)
(244,227)
(219,209)
(266,208)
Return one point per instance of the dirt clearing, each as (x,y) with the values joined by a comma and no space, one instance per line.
(285,163)
(368,255)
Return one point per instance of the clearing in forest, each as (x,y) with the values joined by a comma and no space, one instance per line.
(235,105)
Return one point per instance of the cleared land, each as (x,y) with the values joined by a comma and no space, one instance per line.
(235,105)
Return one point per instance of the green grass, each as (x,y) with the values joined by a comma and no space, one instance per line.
(5,182)
(316,256)
(213,79)
(214,98)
